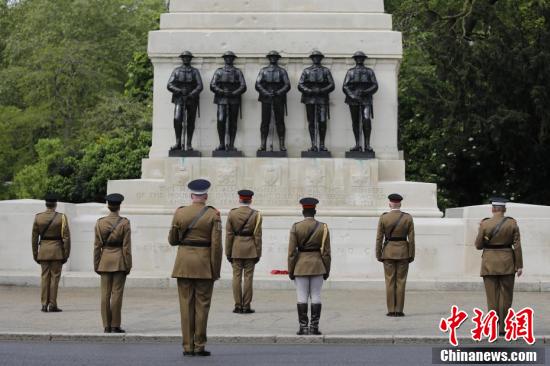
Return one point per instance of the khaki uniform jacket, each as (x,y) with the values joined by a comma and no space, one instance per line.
(403,249)
(312,263)
(202,262)
(58,248)
(249,243)
(110,258)
(499,261)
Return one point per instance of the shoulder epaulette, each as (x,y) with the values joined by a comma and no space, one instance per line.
(384,213)
(487,218)
(215,209)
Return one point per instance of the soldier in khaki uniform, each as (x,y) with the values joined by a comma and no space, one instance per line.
(309,264)
(499,239)
(395,248)
(51,247)
(243,248)
(197,231)
(112,261)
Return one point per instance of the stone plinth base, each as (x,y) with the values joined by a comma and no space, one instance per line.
(227,154)
(362,155)
(184,154)
(316,154)
(345,187)
(271,154)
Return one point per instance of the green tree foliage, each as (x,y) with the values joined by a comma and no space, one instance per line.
(73,73)
(475,96)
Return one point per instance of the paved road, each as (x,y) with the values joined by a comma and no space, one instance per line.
(69,354)
(345,312)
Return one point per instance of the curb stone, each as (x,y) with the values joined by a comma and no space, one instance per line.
(252,339)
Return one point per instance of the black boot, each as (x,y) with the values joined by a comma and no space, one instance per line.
(117,330)
(315,316)
(44,308)
(54,309)
(302,319)
(264,143)
(282,146)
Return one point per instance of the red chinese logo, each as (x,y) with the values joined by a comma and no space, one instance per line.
(517,325)
(485,325)
(452,323)
(520,325)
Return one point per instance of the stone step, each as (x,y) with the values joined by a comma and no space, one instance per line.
(373,6)
(340,21)
(292,43)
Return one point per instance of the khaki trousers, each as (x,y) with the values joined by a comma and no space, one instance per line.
(112,289)
(395,272)
(242,292)
(195,296)
(500,293)
(51,273)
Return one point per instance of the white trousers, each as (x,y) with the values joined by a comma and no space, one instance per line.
(309,286)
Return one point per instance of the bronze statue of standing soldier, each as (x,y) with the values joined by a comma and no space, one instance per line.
(359,86)
(185,83)
(273,84)
(228,85)
(316,83)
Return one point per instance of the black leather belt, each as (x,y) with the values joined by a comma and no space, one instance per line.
(498,246)
(114,244)
(52,238)
(397,238)
(200,244)
(308,250)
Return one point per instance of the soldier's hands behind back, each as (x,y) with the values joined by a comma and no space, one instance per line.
(325,276)
(230,260)
(520,272)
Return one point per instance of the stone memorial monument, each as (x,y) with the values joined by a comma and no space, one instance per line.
(352,191)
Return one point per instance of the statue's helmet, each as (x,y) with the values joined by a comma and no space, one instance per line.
(186,54)
(316,53)
(273,53)
(229,54)
(359,54)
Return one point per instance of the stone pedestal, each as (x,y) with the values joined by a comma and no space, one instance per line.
(361,155)
(271,154)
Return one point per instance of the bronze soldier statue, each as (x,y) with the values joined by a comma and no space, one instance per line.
(185,83)
(502,259)
(228,85)
(309,262)
(51,247)
(243,248)
(359,86)
(197,231)
(316,83)
(395,247)
(273,85)
(112,261)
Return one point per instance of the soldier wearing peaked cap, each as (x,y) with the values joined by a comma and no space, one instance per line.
(51,247)
(273,85)
(309,262)
(360,85)
(196,231)
(316,83)
(185,83)
(112,261)
(502,258)
(395,247)
(228,85)
(243,248)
